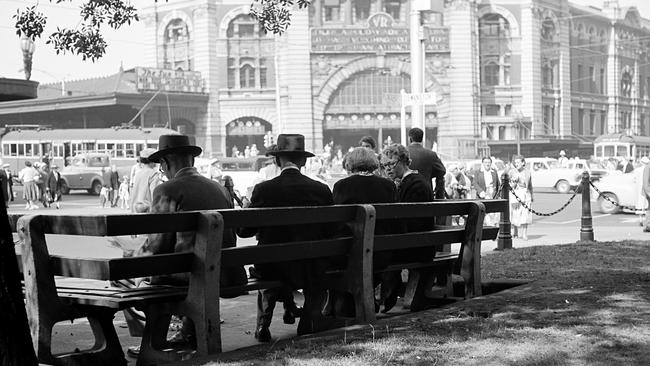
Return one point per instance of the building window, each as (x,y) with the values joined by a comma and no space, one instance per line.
(176,46)
(547,75)
(246,74)
(365,91)
(361,10)
(332,11)
(548,119)
(602,81)
(495,49)
(592,123)
(507,110)
(548,30)
(249,48)
(502,132)
(492,109)
(592,79)
(393,8)
(491,74)
(578,79)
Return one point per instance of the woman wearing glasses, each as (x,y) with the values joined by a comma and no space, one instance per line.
(411,187)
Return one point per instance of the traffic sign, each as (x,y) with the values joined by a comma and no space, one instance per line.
(419,99)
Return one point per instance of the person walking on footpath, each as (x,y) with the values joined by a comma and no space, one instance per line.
(426,163)
(10,182)
(521,183)
(146,179)
(28,177)
(4,186)
(646,192)
(54,186)
(486,184)
(290,188)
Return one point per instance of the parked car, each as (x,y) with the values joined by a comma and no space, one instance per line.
(85,171)
(619,188)
(547,173)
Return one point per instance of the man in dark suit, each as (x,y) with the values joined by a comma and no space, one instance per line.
(290,188)
(426,162)
(186,190)
(486,184)
(4,186)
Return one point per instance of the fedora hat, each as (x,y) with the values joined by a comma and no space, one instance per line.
(290,144)
(174,144)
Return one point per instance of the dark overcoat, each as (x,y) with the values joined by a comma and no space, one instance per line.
(191,191)
(479,182)
(429,165)
(413,188)
(290,188)
(55,184)
(363,189)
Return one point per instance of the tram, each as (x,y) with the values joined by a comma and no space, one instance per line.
(621,146)
(32,143)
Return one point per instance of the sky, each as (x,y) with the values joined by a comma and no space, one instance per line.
(124,45)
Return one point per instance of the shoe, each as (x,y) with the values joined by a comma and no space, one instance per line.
(263,334)
(133,351)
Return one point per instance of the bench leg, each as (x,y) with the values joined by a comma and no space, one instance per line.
(312,319)
(154,338)
(107,349)
(420,281)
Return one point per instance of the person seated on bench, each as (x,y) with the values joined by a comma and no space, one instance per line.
(363,186)
(411,187)
(186,190)
(290,188)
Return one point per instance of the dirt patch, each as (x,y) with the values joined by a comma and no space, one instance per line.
(584,304)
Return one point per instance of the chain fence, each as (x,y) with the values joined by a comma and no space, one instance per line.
(608,199)
(531,210)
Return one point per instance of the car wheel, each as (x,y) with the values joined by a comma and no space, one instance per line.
(95,188)
(606,206)
(64,188)
(563,186)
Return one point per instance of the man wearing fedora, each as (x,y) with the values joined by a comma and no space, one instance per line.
(290,188)
(186,190)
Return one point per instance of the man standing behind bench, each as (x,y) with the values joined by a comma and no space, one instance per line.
(290,188)
(186,190)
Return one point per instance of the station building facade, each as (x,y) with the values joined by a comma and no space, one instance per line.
(543,75)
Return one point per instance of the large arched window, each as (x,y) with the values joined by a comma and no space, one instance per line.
(176,46)
(249,50)
(365,91)
(495,49)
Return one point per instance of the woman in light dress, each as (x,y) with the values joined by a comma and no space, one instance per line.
(29,177)
(521,183)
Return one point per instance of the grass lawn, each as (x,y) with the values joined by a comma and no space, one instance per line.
(585,304)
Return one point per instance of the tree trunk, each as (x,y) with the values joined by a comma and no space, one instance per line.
(15,341)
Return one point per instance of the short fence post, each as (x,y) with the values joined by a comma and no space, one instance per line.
(586,227)
(504,240)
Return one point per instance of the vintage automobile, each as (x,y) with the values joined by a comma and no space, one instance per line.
(546,173)
(85,171)
(619,189)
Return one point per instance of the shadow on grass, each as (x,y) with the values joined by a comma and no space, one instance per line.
(585,303)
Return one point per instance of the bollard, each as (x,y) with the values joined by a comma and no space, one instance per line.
(586,227)
(504,240)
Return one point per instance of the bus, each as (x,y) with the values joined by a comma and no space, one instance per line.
(32,143)
(621,146)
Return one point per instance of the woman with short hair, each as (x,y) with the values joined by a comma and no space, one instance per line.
(29,176)
(522,187)
(362,186)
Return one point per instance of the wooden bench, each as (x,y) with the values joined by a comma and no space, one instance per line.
(49,302)
(51,299)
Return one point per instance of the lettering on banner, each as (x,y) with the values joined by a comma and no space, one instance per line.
(168,80)
(379,35)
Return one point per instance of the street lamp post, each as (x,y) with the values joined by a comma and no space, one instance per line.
(27,46)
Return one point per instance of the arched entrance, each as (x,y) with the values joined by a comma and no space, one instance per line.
(353,102)
(246,131)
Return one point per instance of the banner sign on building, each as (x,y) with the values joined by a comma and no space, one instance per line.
(379,35)
(151,79)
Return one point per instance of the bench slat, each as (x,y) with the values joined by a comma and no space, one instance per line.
(418,240)
(282,216)
(283,252)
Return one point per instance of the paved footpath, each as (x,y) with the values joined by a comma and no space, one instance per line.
(239,313)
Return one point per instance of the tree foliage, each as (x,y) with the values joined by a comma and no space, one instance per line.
(87,40)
